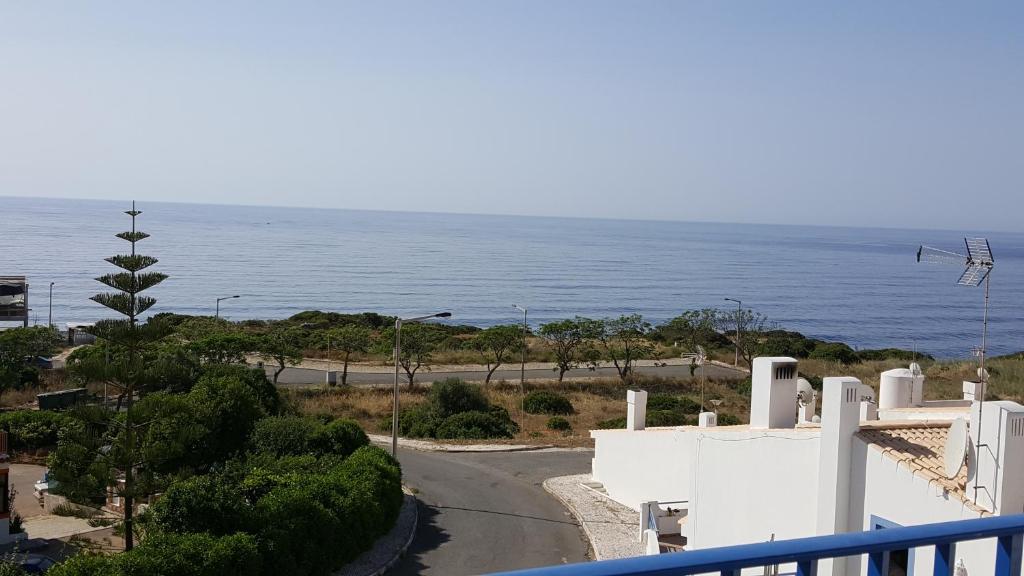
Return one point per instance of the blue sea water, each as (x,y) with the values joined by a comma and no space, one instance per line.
(858,285)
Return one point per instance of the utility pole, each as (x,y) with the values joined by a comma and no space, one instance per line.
(51,306)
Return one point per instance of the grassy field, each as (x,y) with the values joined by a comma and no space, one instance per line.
(602,399)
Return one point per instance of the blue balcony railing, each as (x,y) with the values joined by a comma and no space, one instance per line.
(806,552)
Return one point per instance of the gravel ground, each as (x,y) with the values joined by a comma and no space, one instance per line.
(611,527)
(387,550)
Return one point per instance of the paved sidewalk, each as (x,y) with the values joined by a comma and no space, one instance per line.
(51,526)
(612,528)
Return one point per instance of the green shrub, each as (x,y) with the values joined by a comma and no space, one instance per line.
(473,425)
(728,420)
(452,396)
(202,504)
(252,378)
(340,438)
(683,404)
(612,423)
(558,423)
(283,435)
(835,352)
(892,354)
(666,418)
(11,569)
(172,555)
(546,402)
(418,422)
(32,429)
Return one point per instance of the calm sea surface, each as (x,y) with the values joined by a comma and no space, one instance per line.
(858,285)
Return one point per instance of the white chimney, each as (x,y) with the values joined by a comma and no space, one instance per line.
(917,390)
(773,393)
(973,391)
(868,411)
(636,409)
(707,420)
(996,456)
(896,389)
(840,419)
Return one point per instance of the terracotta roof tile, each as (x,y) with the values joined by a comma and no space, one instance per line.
(920,447)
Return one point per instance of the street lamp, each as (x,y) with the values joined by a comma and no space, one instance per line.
(739,312)
(217,315)
(522,365)
(51,305)
(398,354)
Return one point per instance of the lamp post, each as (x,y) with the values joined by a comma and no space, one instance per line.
(50,324)
(739,311)
(217,315)
(522,365)
(398,354)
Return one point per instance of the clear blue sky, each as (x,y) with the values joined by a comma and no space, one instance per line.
(861,113)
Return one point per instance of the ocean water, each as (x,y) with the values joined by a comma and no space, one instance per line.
(858,285)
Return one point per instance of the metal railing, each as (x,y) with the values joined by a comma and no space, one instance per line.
(806,552)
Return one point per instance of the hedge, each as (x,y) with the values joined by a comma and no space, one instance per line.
(545,402)
(173,555)
(32,429)
(454,409)
(296,435)
(473,425)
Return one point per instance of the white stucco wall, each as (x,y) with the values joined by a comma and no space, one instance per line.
(748,484)
(644,465)
(895,494)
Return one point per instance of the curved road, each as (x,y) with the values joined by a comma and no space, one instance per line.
(487,512)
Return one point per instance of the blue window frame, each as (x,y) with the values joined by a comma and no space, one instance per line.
(896,561)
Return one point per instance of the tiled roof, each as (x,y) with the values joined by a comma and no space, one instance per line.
(920,447)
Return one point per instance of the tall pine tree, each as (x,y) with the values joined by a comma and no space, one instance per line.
(128,340)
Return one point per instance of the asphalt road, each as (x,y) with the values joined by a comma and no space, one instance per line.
(310,376)
(481,513)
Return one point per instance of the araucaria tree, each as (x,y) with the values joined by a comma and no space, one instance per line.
(128,340)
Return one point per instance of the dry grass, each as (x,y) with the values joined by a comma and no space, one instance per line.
(593,400)
(50,381)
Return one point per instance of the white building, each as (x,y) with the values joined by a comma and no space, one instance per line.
(863,467)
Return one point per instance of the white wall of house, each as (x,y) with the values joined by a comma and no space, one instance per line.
(746,485)
(896,495)
(643,465)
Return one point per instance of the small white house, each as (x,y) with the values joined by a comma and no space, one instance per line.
(862,467)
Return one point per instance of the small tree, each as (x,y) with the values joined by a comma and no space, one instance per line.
(347,340)
(20,344)
(565,338)
(692,328)
(624,340)
(751,328)
(496,344)
(419,341)
(283,345)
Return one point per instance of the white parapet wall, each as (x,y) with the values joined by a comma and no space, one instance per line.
(748,484)
(643,465)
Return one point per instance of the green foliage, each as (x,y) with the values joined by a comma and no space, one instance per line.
(11,569)
(683,404)
(835,352)
(281,344)
(892,354)
(417,422)
(785,343)
(173,555)
(667,418)
(558,423)
(565,337)
(329,320)
(546,402)
(728,420)
(298,435)
(347,339)
(496,344)
(224,347)
(612,423)
(419,341)
(472,425)
(691,329)
(32,429)
(228,409)
(452,396)
(19,345)
(284,435)
(623,340)
(254,379)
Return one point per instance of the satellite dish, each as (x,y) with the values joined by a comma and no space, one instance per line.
(956,447)
(915,369)
(983,374)
(866,393)
(804,392)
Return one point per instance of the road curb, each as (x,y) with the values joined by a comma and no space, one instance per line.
(591,550)
(379,559)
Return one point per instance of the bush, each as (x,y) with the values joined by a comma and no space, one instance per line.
(202,504)
(558,423)
(417,422)
(252,378)
(452,396)
(612,423)
(683,404)
(666,418)
(892,354)
(172,555)
(32,429)
(283,435)
(340,438)
(474,425)
(728,420)
(835,352)
(545,402)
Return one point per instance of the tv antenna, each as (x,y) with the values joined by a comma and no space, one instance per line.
(977,263)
